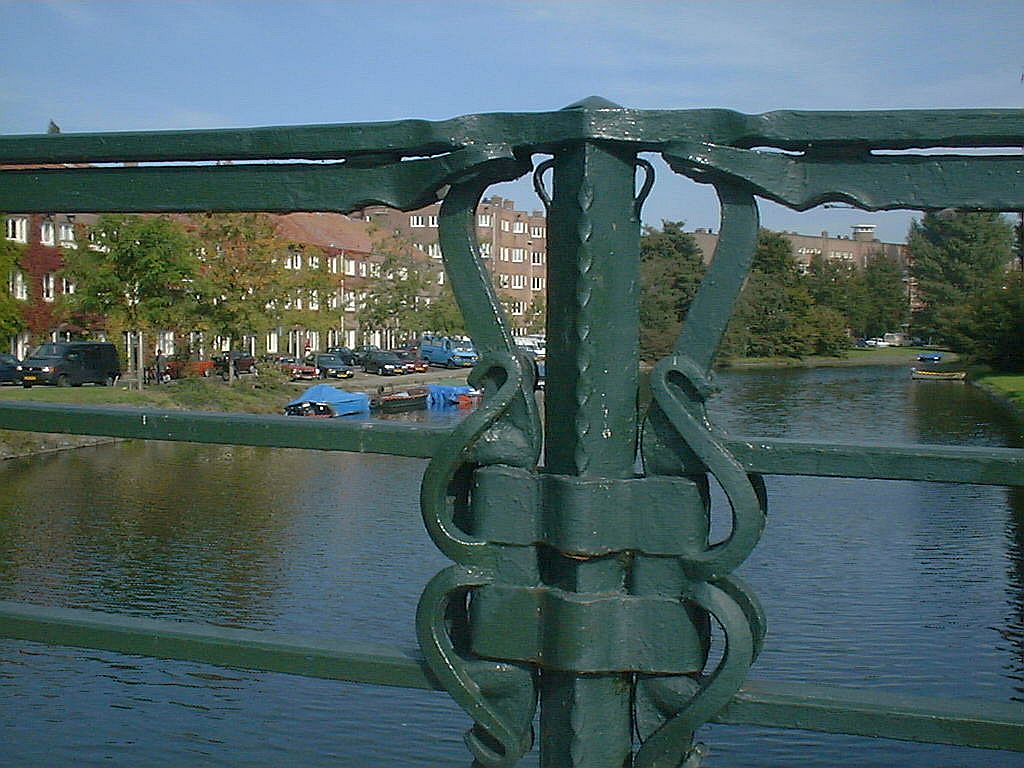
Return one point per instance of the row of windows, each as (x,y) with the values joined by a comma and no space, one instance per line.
(515,226)
(519,281)
(418,221)
(18,286)
(16,228)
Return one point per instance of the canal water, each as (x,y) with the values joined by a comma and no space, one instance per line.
(913,588)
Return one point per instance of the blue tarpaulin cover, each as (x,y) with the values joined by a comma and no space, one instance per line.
(444,395)
(343,402)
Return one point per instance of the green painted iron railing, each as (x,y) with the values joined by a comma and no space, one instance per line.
(579,583)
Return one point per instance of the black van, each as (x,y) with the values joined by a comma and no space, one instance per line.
(71,363)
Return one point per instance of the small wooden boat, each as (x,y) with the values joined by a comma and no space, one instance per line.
(916,373)
(400,400)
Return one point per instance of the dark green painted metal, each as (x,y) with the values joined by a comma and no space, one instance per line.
(872,183)
(356,662)
(280,188)
(225,428)
(645,130)
(960,722)
(587,517)
(590,415)
(581,582)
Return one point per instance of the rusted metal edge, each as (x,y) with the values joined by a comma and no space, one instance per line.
(828,709)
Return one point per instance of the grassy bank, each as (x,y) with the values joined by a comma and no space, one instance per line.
(1007,386)
(855,357)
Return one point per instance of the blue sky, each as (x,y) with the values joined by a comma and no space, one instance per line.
(100,66)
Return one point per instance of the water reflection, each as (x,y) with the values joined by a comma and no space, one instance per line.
(902,587)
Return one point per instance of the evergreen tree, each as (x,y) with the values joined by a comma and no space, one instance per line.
(773,317)
(994,326)
(956,255)
(671,268)
(883,297)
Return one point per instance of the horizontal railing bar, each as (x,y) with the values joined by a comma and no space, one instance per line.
(372,436)
(542,131)
(938,463)
(768,704)
(207,644)
(933,463)
(829,709)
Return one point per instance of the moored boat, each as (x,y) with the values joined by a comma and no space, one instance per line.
(917,373)
(400,400)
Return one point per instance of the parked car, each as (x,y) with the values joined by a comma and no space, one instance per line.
(383,363)
(449,352)
(243,363)
(180,368)
(343,353)
(71,363)
(296,370)
(330,366)
(412,361)
(360,353)
(8,368)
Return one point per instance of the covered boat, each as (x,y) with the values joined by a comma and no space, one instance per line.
(326,401)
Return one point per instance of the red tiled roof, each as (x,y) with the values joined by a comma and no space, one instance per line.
(327,230)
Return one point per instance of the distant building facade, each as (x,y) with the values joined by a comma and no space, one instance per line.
(513,245)
(855,249)
(37,283)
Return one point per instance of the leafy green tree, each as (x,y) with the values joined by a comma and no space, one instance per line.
(311,289)
(11,321)
(955,255)
(882,297)
(442,315)
(995,324)
(537,314)
(242,285)
(140,273)
(671,268)
(393,301)
(773,315)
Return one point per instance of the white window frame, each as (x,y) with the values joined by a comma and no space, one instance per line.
(519,227)
(536,283)
(537,231)
(417,221)
(505,225)
(16,229)
(432,221)
(503,281)
(48,233)
(66,233)
(519,255)
(67,286)
(434,250)
(49,286)
(503,253)
(18,285)
(484,220)
(485,250)
(518,281)
(537,258)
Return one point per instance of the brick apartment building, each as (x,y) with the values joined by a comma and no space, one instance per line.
(37,283)
(855,249)
(513,244)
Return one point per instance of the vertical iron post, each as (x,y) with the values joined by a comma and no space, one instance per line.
(590,417)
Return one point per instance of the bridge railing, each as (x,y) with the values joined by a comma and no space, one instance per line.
(579,583)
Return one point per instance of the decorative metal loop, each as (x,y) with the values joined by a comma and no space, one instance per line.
(670,746)
(538,182)
(438,514)
(645,188)
(500,697)
(679,388)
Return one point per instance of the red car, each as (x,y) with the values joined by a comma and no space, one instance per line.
(180,369)
(296,370)
(413,362)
